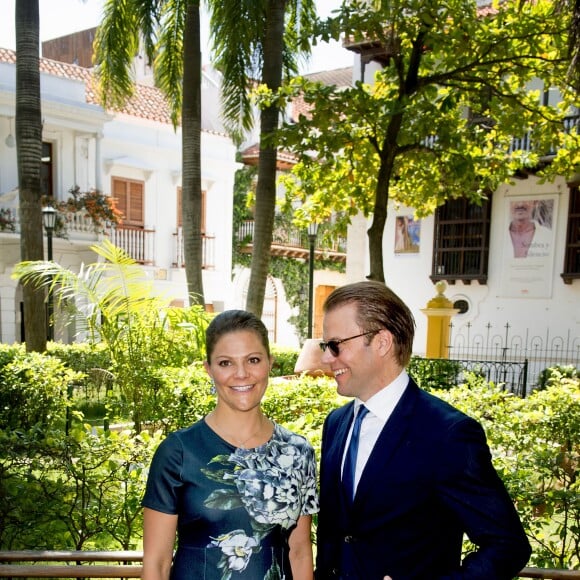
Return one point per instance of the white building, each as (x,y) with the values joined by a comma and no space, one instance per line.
(133,154)
(511,305)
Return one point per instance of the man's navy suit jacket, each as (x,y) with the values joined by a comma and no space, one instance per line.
(428,480)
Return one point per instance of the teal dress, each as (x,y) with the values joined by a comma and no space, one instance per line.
(236,507)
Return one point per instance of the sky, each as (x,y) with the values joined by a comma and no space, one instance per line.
(61,17)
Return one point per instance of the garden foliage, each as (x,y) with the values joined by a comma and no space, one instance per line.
(80,423)
(76,485)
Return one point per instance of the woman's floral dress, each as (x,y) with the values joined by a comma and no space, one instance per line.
(236,507)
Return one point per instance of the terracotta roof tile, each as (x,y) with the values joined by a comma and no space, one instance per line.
(284,159)
(147,102)
(340,77)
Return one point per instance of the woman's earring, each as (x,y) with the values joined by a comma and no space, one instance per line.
(212,389)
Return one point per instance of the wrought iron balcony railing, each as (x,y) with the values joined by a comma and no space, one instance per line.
(292,242)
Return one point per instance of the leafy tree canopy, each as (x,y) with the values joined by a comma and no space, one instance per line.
(458,83)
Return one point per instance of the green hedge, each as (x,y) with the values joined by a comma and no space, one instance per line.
(81,489)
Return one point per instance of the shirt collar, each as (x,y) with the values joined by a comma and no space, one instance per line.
(382,403)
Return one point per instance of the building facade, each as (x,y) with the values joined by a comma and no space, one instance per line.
(132,154)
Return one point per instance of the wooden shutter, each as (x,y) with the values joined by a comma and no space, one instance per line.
(129,195)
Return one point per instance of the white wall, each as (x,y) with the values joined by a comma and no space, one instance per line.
(546,307)
(90,146)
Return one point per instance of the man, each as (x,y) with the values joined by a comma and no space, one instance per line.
(422,475)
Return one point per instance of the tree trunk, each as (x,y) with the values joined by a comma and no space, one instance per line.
(191,146)
(266,186)
(29,153)
(376,231)
(380,210)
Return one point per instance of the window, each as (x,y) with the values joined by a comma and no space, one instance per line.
(572,256)
(46,169)
(129,195)
(461,246)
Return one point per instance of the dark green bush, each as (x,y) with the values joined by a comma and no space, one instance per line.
(34,391)
(284,361)
(434,373)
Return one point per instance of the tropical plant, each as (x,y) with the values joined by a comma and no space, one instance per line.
(256,40)
(112,302)
(252,40)
(170,33)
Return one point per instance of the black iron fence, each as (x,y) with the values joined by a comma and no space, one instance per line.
(514,360)
(443,373)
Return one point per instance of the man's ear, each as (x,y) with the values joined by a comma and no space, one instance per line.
(385,341)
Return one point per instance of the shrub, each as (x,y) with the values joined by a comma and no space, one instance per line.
(284,361)
(556,374)
(34,391)
(535,444)
(434,373)
(82,490)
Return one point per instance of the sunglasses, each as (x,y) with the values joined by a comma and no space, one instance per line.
(333,345)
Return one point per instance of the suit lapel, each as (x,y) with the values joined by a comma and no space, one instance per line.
(393,434)
(336,446)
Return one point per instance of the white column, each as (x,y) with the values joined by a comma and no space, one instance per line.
(98,163)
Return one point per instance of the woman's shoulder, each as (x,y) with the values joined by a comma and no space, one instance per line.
(284,435)
(179,436)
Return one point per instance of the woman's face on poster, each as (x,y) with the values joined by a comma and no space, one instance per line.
(522,210)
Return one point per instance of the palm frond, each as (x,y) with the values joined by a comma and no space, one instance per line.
(116,44)
(113,289)
(168,64)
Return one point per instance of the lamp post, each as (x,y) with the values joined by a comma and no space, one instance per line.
(312,232)
(49,221)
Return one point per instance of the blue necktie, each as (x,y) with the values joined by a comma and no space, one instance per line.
(349,468)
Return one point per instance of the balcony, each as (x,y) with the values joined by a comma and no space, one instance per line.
(79,226)
(292,242)
(139,243)
(208,251)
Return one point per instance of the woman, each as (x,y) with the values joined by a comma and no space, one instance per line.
(530,239)
(236,489)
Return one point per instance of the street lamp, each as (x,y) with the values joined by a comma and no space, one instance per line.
(312,232)
(49,222)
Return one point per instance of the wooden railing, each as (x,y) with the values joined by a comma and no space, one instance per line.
(208,261)
(82,564)
(292,242)
(48,564)
(549,574)
(138,242)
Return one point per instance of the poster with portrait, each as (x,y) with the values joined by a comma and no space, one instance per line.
(529,246)
(407,234)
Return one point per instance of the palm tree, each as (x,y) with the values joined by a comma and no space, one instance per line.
(111,302)
(251,40)
(255,40)
(29,153)
(170,32)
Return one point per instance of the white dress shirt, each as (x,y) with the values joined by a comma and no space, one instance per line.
(380,407)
